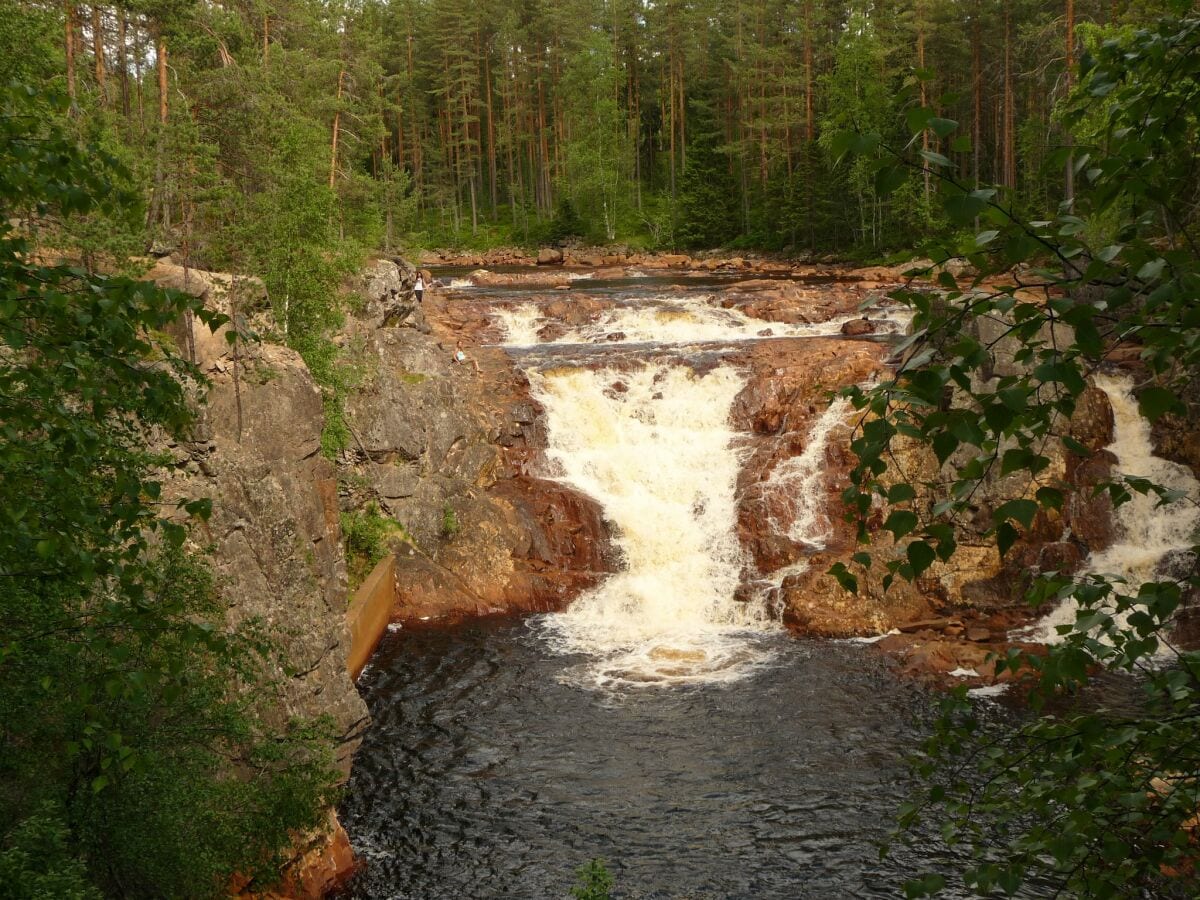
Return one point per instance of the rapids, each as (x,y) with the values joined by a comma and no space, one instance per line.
(1148,529)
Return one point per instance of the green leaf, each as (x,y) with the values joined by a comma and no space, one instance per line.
(920,556)
(1152,270)
(917,118)
(1155,402)
(935,159)
(1021,510)
(1050,497)
(889,179)
(1006,536)
(843,577)
(942,127)
(963,208)
(900,523)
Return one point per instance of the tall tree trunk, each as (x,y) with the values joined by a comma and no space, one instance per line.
(139,55)
(671,127)
(977,88)
(159,210)
(69,38)
(809,117)
(123,59)
(337,122)
(160,52)
(1010,156)
(491,132)
(1070,82)
(98,53)
(925,174)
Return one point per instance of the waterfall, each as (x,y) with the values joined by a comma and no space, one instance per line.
(678,320)
(1146,532)
(797,482)
(655,448)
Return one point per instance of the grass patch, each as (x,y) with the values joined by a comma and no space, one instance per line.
(367,535)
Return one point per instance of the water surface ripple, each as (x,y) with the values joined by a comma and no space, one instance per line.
(487,775)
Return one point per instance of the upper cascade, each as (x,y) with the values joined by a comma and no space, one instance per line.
(676,319)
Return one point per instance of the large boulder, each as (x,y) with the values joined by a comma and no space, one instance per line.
(386,288)
(549,256)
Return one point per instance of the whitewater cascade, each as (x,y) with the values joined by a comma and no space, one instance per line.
(1146,531)
(797,481)
(677,320)
(654,446)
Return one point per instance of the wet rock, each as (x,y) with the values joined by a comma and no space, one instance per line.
(485,278)
(858,327)
(526,545)
(1177,565)
(1089,516)
(1092,422)
(1063,557)
(551,332)
(322,862)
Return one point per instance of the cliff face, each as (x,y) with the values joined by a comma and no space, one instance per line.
(274,535)
(274,531)
(444,448)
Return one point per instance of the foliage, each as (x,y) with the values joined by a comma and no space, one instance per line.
(466,124)
(566,223)
(450,523)
(366,534)
(38,864)
(128,744)
(595,882)
(705,209)
(1101,800)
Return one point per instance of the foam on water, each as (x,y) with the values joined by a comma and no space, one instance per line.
(796,483)
(1146,531)
(677,320)
(658,457)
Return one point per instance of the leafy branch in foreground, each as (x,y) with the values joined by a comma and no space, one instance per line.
(1098,801)
(135,761)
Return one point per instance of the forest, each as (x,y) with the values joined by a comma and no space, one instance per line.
(380,125)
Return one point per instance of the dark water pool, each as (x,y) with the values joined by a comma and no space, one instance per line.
(485,776)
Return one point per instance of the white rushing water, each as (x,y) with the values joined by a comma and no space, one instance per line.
(796,483)
(658,456)
(677,320)
(1146,531)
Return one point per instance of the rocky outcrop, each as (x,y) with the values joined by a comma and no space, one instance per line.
(539,279)
(324,861)
(975,578)
(386,289)
(446,451)
(274,530)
